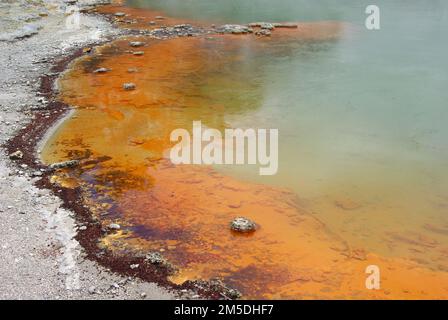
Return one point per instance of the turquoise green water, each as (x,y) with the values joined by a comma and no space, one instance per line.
(362,120)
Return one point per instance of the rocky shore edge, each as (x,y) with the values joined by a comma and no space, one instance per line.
(32,110)
(43,254)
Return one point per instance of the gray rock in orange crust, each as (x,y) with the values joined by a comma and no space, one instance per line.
(242,224)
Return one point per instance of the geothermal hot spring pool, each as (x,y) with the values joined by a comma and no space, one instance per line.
(363,146)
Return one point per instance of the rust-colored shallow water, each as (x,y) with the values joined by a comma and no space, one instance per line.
(184,211)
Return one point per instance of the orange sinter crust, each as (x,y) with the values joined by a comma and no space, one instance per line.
(184,211)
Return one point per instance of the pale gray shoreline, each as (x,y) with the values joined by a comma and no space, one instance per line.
(40,259)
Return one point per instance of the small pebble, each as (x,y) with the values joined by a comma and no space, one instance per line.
(129,86)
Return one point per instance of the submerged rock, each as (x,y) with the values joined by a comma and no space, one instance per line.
(217,287)
(101,70)
(242,224)
(227,292)
(114,226)
(17,155)
(263,33)
(183,26)
(155,258)
(36,174)
(136,44)
(64,164)
(267,26)
(120,14)
(262,25)
(286,25)
(234,29)
(129,86)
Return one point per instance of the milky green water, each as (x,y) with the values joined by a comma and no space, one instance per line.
(362,120)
